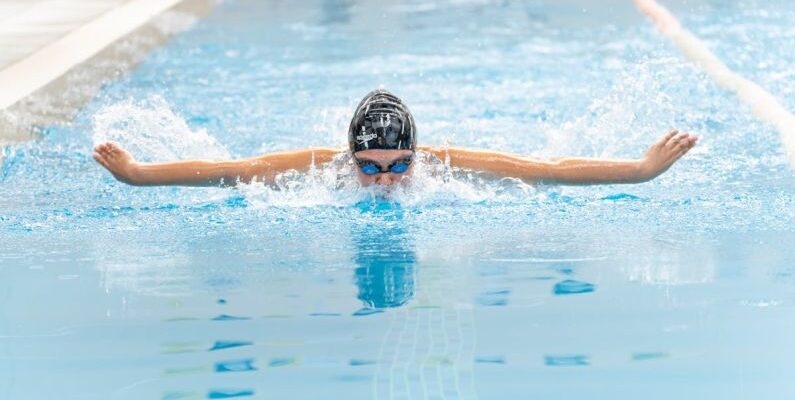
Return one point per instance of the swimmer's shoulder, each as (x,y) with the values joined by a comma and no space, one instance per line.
(435,151)
(297,159)
(454,152)
(325,154)
(320,154)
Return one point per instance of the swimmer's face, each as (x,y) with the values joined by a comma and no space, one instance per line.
(383,159)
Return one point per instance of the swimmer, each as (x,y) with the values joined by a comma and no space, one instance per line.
(382,143)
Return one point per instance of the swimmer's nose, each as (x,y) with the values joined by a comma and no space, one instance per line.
(384,179)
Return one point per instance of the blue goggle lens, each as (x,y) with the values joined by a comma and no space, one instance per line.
(371,168)
(399,168)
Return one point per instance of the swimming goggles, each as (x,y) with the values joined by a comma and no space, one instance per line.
(371,167)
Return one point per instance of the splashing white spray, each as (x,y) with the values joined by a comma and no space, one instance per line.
(628,118)
(152,131)
(431,184)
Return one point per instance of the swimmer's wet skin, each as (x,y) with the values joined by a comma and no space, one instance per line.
(382,134)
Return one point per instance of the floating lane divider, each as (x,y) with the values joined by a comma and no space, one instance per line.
(762,103)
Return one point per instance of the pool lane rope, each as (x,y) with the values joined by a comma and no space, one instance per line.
(762,103)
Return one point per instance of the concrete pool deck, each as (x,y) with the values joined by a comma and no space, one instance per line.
(29,25)
(55,54)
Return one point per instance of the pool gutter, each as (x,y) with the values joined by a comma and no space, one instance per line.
(50,85)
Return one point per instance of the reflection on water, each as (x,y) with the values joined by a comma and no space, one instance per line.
(385,259)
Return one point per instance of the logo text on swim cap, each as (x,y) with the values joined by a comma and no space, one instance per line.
(365,137)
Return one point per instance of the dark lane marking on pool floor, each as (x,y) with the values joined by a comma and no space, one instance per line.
(229,344)
(571,286)
(566,360)
(243,365)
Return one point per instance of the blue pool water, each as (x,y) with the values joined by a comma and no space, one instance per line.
(458,287)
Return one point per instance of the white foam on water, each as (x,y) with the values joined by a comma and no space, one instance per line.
(431,184)
(625,120)
(332,184)
(152,131)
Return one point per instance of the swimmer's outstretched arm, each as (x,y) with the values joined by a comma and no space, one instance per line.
(576,171)
(263,168)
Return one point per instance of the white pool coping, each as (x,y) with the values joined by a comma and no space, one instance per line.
(43,67)
(33,72)
(29,25)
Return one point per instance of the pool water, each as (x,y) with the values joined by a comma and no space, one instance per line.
(458,287)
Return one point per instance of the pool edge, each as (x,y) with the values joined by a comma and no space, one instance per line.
(42,93)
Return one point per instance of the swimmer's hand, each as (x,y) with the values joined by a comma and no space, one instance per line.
(665,153)
(118,161)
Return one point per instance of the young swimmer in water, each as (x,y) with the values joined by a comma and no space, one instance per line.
(382,142)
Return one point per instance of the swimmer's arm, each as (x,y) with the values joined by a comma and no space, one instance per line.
(575,171)
(206,172)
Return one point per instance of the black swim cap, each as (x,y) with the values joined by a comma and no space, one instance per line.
(381,121)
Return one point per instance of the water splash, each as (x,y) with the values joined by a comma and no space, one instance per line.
(432,184)
(640,106)
(152,131)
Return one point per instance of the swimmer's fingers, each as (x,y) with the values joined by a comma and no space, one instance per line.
(101,157)
(112,152)
(682,146)
(688,142)
(113,148)
(98,158)
(669,149)
(105,164)
(685,145)
(107,148)
(100,151)
(665,139)
(677,139)
(103,147)
(668,136)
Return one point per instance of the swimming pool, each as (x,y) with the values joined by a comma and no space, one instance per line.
(458,288)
